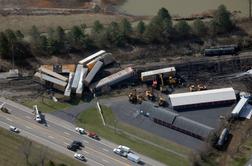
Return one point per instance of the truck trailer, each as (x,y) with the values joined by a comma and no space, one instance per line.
(133,157)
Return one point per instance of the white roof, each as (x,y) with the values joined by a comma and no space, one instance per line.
(159,71)
(239,106)
(206,96)
(70,81)
(91,57)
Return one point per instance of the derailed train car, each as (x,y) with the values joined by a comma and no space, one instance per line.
(222,50)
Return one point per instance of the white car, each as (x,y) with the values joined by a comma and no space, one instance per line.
(79,156)
(120,152)
(14,129)
(37,118)
(124,148)
(80,130)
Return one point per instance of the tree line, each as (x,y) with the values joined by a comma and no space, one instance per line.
(160,30)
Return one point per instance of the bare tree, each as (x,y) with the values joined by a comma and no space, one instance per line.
(26,150)
(42,156)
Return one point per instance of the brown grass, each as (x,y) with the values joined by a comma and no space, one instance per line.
(24,23)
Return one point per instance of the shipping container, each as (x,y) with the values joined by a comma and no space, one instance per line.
(83,74)
(92,73)
(114,78)
(57,84)
(77,77)
(64,68)
(238,108)
(105,58)
(91,57)
(151,75)
(51,73)
(202,98)
(67,92)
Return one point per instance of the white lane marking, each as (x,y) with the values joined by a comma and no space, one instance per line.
(66,133)
(85,152)
(9,119)
(51,136)
(105,161)
(66,143)
(49,142)
(28,127)
(86,141)
(67,139)
(106,150)
(28,117)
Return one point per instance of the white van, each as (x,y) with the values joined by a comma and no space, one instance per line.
(124,148)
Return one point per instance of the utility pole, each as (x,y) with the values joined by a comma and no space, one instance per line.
(250,17)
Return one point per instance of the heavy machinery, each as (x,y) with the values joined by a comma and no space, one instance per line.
(134,98)
(172,81)
(4,109)
(162,102)
(192,88)
(149,95)
(201,87)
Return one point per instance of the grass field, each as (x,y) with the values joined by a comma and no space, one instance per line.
(47,105)
(12,147)
(90,120)
(24,23)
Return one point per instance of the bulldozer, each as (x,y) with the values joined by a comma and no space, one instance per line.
(134,98)
(201,87)
(192,88)
(149,95)
(162,102)
(172,81)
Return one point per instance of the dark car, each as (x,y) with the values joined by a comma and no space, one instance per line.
(78,143)
(73,147)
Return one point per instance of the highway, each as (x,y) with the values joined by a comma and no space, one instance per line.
(57,134)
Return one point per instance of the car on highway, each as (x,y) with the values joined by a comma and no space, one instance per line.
(124,148)
(80,130)
(78,143)
(80,157)
(75,145)
(14,129)
(120,152)
(93,135)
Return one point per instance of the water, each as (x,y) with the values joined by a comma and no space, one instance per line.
(182,7)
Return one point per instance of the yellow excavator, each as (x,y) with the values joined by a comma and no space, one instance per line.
(199,87)
(149,95)
(134,98)
(162,102)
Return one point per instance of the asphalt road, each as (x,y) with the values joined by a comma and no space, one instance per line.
(58,133)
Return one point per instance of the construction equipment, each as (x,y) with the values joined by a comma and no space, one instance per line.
(134,98)
(162,102)
(172,81)
(192,88)
(201,87)
(149,95)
